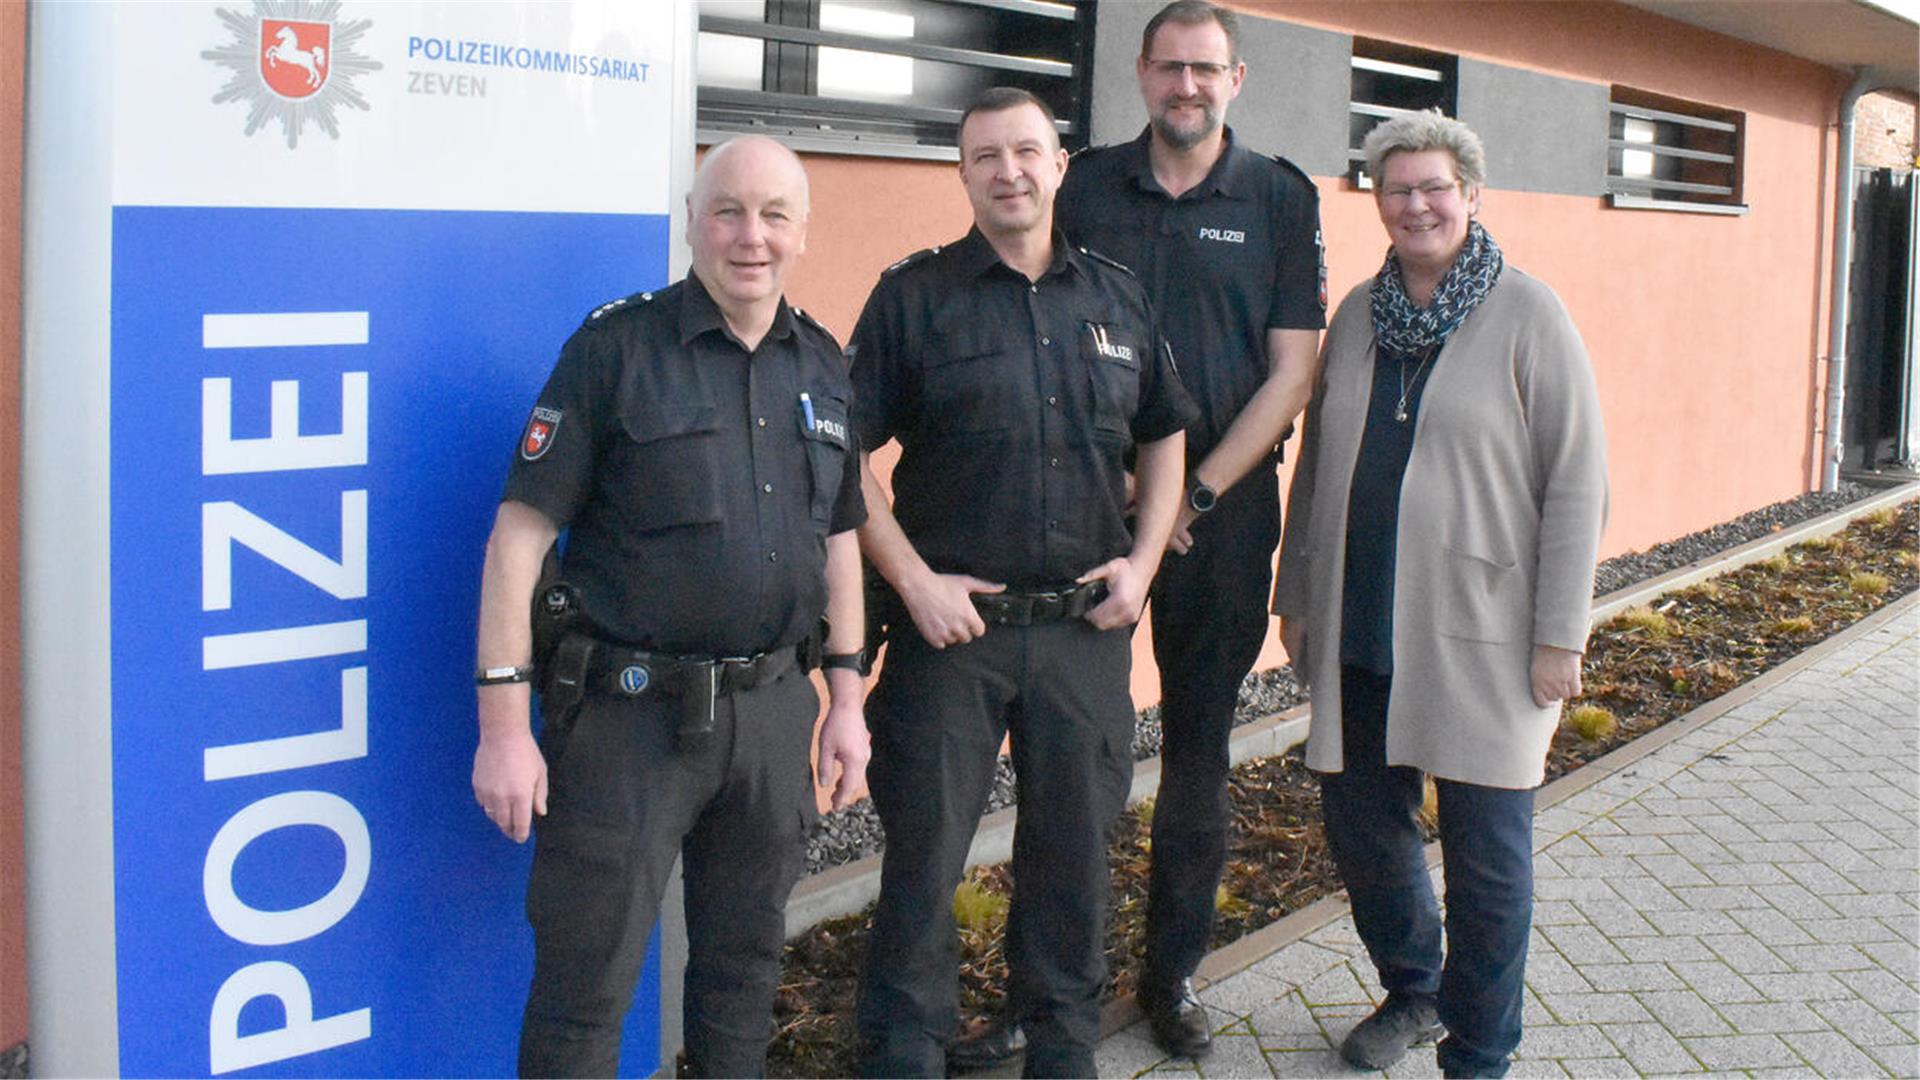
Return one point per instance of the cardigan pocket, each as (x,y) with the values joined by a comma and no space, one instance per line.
(1481,600)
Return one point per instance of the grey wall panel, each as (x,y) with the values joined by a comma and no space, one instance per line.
(1294,101)
(1542,133)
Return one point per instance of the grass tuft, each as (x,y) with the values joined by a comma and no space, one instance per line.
(1793,625)
(976,909)
(1867,583)
(1648,621)
(1591,722)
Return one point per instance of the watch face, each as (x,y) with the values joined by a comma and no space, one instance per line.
(1201,498)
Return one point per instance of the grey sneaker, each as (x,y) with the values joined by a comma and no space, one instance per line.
(1384,1036)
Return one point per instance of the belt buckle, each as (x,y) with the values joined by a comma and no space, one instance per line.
(1050,604)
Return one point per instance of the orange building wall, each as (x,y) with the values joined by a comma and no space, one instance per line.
(13,904)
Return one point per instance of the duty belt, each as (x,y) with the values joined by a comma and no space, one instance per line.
(615,670)
(1049,605)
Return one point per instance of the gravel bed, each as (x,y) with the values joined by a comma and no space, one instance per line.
(855,833)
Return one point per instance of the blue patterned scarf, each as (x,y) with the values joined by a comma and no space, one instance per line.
(1401,327)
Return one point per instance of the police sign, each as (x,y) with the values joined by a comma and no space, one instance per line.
(328,302)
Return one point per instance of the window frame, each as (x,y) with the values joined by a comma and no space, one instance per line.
(1688,192)
(1379,58)
(789,107)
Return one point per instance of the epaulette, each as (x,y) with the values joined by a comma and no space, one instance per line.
(1298,172)
(911,259)
(1109,260)
(811,321)
(612,306)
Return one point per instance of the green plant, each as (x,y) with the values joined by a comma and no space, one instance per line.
(977,909)
(1867,583)
(1882,517)
(1591,722)
(1143,812)
(1647,621)
(1793,624)
(1225,903)
(1779,562)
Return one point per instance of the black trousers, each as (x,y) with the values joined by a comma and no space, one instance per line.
(622,802)
(938,716)
(1209,620)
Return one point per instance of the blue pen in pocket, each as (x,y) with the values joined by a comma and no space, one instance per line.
(806,411)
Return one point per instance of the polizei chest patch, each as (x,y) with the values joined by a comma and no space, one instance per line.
(542,426)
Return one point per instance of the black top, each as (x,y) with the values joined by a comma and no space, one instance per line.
(1373,510)
(1236,255)
(698,496)
(1016,404)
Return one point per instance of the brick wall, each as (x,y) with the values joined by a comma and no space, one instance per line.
(1883,131)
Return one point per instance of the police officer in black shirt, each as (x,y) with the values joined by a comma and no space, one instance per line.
(1017,373)
(695,444)
(1227,242)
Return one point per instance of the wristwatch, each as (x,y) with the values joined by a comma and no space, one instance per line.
(1200,495)
(852,661)
(495,676)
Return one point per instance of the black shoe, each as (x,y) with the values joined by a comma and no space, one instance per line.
(989,1047)
(1178,1020)
(1386,1034)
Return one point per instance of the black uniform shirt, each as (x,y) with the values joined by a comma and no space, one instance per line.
(1234,256)
(1015,403)
(698,493)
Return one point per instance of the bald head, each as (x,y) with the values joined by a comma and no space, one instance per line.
(755,155)
(746,224)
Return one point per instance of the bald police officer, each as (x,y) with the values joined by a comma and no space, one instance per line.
(1017,373)
(694,443)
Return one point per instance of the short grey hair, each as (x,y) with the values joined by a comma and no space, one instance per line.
(1427,130)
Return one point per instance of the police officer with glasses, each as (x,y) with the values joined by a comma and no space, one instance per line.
(694,443)
(1227,242)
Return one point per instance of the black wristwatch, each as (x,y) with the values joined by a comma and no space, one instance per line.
(852,661)
(1200,495)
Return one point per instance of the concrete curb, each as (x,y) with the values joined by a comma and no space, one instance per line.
(849,887)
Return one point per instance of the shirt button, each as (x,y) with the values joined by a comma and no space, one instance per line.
(762,421)
(1045,340)
(1053,462)
(768,488)
(1052,399)
(1053,523)
(773,556)
(1033,288)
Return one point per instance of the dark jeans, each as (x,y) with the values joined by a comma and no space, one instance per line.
(622,802)
(937,717)
(1209,621)
(1486,840)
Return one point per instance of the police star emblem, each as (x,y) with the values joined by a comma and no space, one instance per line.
(293,61)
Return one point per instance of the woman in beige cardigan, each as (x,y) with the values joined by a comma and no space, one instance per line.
(1434,590)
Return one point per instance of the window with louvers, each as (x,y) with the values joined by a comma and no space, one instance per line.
(885,77)
(1669,154)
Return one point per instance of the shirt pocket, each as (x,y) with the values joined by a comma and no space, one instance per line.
(1112,356)
(827,449)
(1483,597)
(967,384)
(665,468)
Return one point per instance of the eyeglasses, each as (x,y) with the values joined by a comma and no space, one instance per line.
(1432,190)
(1204,71)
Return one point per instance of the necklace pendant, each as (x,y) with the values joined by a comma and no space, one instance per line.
(1400,413)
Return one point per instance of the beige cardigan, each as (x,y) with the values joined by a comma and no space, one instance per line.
(1501,511)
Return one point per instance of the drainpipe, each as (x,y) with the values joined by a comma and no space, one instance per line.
(1831,448)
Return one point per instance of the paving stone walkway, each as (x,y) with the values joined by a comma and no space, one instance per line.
(1742,901)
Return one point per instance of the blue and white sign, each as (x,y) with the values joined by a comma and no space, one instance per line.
(347,240)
